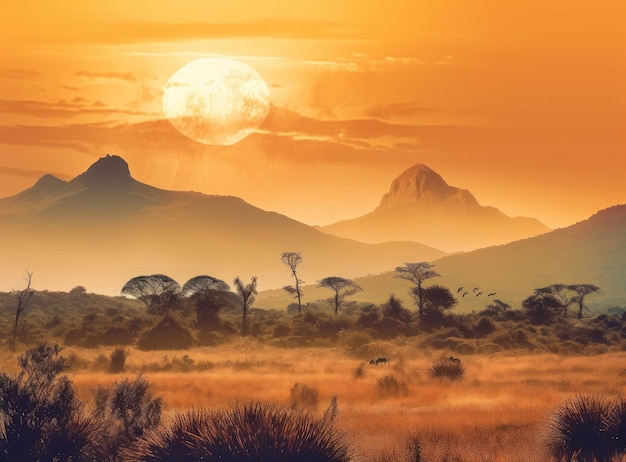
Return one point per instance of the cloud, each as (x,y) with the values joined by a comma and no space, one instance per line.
(28,173)
(126,76)
(145,31)
(391,110)
(61,108)
(19,74)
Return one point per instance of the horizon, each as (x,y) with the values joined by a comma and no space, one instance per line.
(521,104)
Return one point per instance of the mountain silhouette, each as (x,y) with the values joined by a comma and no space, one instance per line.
(592,251)
(104,227)
(421,207)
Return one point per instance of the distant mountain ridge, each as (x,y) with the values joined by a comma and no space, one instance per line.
(103,227)
(421,207)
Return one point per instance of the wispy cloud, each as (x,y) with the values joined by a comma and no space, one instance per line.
(144,31)
(391,110)
(28,173)
(61,108)
(126,76)
(19,74)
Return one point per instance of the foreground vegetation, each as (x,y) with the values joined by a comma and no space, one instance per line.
(502,407)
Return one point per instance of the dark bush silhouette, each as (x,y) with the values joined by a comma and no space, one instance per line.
(127,410)
(167,334)
(118,359)
(579,430)
(449,368)
(249,432)
(41,419)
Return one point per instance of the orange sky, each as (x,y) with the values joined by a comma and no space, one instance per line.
(521,102)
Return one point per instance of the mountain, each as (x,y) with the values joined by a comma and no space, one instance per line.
(421,207)
(592,251)
(104,227)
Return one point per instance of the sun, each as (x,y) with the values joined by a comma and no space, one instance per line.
(216,100)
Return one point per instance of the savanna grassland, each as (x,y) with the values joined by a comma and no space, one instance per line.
(499,411)
(516,370)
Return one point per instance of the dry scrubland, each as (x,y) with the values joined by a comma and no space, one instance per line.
(499,411)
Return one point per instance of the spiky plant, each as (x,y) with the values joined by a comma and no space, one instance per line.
(249,432)
(450,368)
(578,430)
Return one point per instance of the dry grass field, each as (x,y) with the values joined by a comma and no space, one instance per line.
(499,411)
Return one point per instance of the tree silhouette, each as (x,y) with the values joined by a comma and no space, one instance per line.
(247,293)
(292,260)
(158,292)
(22,298)
(209,295)
(581,290)
(417,273)
(342,287)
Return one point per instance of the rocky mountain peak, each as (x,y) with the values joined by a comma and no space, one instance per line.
(106,170)
(420,185)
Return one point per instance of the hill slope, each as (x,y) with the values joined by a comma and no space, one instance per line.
(592,251)
(103,227)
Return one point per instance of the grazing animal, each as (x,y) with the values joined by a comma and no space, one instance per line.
(459,289)
(454,360)
(465,293)
(382,360)
(479,294)
(475,289)
(373,362)
(491,294)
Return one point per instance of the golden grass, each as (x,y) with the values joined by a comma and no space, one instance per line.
(498,412)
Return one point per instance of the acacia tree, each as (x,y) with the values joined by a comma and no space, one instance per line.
(581,290)
(292,260)
(22,298)
(417,273)
(158,292)
(209,295)
(247,293)
(342,287)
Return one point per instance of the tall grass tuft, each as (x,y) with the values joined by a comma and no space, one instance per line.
(304,396)
(449,368)
(578,430)
(118,359)
(249,432)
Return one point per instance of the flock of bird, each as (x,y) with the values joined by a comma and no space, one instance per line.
(476,291)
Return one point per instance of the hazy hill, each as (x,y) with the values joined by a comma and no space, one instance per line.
(103,227)
(421,207)
(591,251)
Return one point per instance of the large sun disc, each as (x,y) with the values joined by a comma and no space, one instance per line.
(216,100)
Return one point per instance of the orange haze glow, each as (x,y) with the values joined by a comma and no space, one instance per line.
(523,103)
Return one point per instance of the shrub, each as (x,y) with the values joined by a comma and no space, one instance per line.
(41,417)
(249,432)
(578,430)
(118,359)
(304,396)
(390,386)
(168,334)
(449,368)
(127,409)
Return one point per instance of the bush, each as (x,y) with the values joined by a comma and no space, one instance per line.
(586,428)
(304,396)
(118,359)
(128,410)
(449,368)
(390,386)
(40,415)
(167,334)
(249,432)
